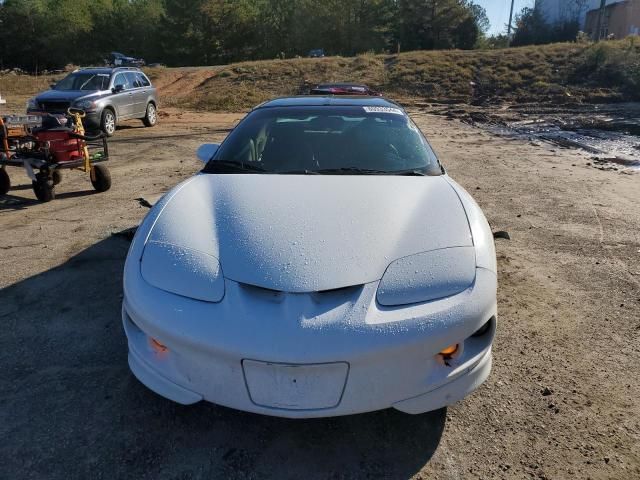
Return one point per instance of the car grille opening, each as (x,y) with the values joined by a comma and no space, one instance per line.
(55,107)
(320,296)
(263,293)
(339,294)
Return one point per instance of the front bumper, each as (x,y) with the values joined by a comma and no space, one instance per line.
(386,357)
(91,121)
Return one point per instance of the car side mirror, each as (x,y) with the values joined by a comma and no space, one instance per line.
(118,88)
(206,151)
(52,86)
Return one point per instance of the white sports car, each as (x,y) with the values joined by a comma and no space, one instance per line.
(322,263)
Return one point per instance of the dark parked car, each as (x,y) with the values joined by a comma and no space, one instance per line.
(343,89)
(121,60)
(107,95)
(316,53)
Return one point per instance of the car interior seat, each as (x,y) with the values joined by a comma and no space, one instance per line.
(372,148)
(288,149)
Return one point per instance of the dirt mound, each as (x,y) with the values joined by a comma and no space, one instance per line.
(542,74)
(178,83)
(243,85)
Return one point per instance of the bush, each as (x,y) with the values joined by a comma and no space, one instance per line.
(583,37)
(611,64)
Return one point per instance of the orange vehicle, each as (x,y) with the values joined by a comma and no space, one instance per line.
(46,144)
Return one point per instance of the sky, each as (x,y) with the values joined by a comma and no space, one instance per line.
(498,12)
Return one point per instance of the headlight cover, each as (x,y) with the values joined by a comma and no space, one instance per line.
(183,271)
(427,276)
(32,104)
(84,105)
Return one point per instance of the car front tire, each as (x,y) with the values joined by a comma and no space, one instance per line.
(108,122)
(151,117)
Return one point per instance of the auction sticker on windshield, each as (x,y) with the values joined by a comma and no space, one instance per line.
(396,111)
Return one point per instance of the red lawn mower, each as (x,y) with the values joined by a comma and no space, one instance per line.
(45,144)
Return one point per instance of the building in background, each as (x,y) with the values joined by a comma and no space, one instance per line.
(564,11)
(620,19)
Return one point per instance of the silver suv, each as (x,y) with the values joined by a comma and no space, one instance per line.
(107,95)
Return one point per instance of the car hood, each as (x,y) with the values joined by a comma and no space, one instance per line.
(311,232)
(67,95)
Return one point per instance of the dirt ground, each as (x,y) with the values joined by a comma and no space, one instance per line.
(563,400)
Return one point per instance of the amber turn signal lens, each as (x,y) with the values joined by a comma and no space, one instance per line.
(157,346)
(450,350)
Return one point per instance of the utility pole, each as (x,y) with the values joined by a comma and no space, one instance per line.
(603,5)
(510,23)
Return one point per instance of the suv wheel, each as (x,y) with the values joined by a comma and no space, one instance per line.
(151,117)
(108,122)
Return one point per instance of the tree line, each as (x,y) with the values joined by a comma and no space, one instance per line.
(48,34)
(533,29)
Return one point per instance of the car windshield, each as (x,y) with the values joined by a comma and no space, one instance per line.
(84,81)
(352,140)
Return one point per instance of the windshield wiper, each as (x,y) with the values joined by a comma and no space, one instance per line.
(350,170)
(366,171)
(228,166)
(298,172)
(409,173)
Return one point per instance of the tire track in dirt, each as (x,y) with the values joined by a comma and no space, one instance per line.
(179,84)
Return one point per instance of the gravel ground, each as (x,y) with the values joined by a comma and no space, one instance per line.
(563,400)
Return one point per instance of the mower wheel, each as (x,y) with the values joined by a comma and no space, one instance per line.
(108,122)
(5,182)
(56,176)
(100,178)
(151,117)
(44,190)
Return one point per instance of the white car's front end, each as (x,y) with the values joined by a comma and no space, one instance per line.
(312,296)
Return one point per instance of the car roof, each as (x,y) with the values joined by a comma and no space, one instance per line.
(329,101)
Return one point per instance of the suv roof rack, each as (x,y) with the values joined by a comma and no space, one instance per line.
(105,67)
